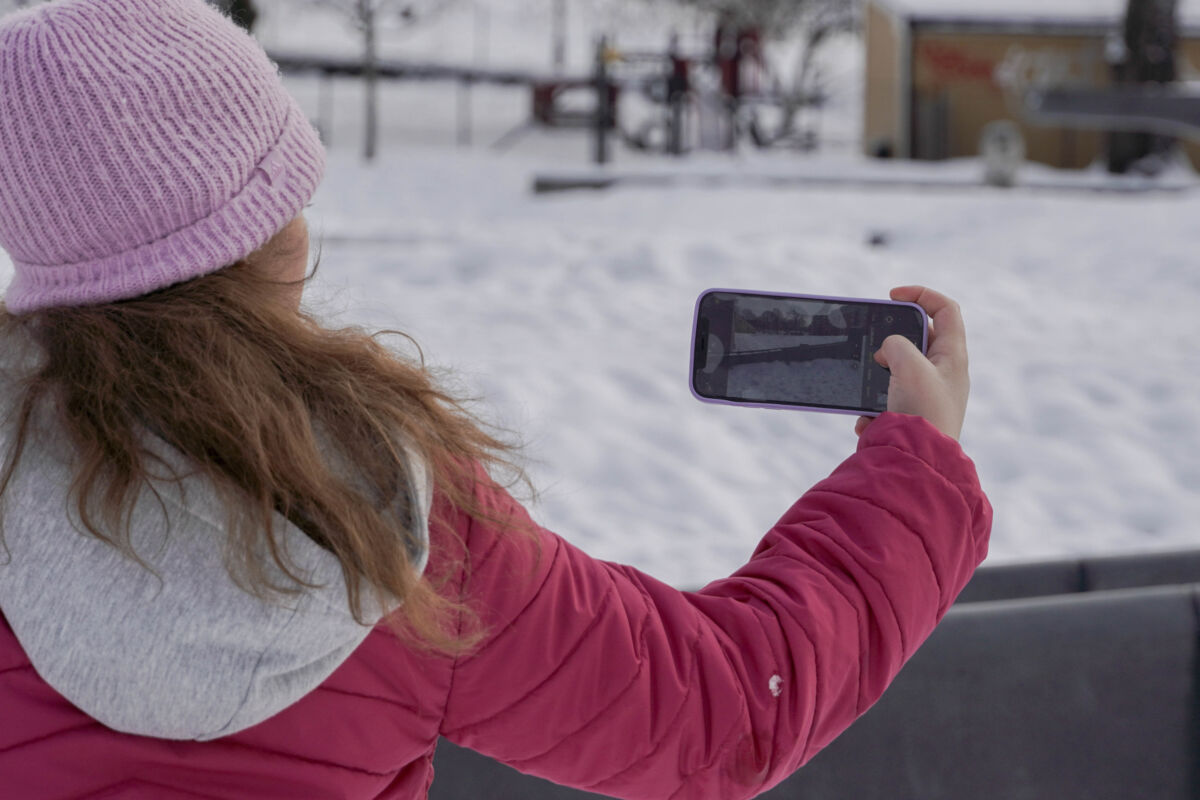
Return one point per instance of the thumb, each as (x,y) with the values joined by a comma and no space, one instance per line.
(898,354)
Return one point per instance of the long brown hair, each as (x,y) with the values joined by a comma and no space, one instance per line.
(284,416)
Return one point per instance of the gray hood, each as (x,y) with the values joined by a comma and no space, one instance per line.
(177,651)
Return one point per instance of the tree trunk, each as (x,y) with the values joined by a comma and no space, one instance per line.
(244,13)
(1149,35)
(800,95)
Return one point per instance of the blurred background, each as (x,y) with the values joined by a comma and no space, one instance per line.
(538,190)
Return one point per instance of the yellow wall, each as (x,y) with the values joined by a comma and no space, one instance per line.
(1187,61)
(983,77)
(882,112)
(971,79)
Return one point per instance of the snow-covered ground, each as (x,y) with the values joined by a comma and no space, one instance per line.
(569,316)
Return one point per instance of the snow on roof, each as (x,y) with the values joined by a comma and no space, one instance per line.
(1034,12)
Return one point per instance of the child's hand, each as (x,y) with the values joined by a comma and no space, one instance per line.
(936,387)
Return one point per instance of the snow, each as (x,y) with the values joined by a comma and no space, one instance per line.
(569,317)
(826,381)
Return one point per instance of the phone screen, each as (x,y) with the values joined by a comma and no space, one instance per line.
(792,350)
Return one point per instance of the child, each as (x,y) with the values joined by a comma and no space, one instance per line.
(250,556)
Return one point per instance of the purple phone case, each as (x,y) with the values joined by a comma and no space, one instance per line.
(824,298)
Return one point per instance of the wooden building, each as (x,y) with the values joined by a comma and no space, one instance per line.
(938,71)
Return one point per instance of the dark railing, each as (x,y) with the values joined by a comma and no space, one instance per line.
(352,66)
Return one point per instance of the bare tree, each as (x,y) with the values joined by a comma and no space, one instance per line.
(242,12)
(821,20)
(779,17)
(371,18)
(813,21)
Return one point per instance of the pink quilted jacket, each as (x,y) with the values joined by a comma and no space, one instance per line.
(591,674)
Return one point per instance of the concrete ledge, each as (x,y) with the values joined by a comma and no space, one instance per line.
(858,179)
(1069,576)
(1024,580)
(1078,693)
(1085,696)
(462,774)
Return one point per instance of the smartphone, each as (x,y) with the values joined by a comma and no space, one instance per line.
(775,350)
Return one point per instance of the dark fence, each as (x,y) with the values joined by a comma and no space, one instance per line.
(1069,679)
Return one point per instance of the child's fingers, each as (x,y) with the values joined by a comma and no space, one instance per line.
(907,294)
(898,354)
(860,425)
(948,337)
(936,387)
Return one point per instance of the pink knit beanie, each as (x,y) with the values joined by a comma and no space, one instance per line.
(142,143)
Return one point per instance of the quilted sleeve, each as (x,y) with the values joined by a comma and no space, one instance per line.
(597,676)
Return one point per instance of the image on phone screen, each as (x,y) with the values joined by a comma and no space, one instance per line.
(797,351)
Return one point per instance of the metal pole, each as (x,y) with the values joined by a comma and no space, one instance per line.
(559,35)
(601,119)
(370,79)
(676,77)
(325,107)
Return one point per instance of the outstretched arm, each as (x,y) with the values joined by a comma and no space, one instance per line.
(600,677)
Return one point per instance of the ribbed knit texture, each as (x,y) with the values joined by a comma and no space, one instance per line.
(142,143)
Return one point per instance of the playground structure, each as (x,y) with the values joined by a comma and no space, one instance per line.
(705,100)
(1054,94)
(326,68)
